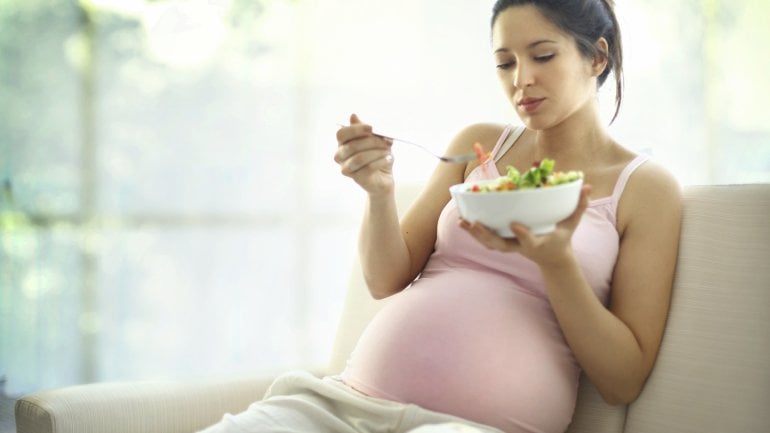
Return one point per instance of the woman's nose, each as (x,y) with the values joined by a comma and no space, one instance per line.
(522,76)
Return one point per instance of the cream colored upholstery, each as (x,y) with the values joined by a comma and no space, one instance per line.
(712,375)
(713,372)
(133,407)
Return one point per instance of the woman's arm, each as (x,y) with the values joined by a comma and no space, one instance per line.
(617,347)
(393,252)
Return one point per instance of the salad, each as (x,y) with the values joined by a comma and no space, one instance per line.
(541,174)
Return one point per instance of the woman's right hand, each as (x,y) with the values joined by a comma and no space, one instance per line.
(364,157)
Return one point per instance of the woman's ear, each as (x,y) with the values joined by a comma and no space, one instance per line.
(601,59)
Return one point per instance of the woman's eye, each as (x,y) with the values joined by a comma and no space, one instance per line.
(506,65)
(545,58)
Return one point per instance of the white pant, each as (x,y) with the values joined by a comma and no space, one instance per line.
(298,402)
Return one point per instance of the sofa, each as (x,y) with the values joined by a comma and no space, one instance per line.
(712,374)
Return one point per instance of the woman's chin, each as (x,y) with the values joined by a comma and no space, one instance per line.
(537,123)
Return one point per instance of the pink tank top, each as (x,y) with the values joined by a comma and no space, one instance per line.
(474,335)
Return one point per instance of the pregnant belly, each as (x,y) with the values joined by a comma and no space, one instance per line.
(479,349)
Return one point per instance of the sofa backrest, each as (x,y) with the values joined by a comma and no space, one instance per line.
(713,371)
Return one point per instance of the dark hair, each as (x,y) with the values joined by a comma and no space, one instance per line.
(586,21)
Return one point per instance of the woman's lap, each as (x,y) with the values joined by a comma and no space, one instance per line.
(298,402)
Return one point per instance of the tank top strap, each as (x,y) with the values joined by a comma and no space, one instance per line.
(620,185)
(507,139)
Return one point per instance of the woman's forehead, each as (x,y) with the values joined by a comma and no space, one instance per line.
(523,27)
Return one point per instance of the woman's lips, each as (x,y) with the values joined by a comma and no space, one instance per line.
(531,104)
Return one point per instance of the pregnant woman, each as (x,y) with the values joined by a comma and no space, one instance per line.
(483,333)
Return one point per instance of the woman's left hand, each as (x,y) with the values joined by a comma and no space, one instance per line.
(542,249)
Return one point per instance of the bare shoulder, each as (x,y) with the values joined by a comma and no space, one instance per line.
(652,196)
(653,181)
(484,133)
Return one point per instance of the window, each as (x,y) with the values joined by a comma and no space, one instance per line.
(159,195)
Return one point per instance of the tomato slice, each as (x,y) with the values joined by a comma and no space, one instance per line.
(482,157)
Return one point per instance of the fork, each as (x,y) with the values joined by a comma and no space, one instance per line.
(444,158)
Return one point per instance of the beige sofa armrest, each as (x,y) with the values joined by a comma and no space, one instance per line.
(133,407)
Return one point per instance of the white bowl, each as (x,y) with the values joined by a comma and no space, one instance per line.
(537,208)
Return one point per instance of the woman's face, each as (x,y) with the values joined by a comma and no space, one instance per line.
(540,68)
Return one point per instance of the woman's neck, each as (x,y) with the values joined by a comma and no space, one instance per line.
(578,139)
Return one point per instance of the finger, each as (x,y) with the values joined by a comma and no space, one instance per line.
(381,165)
(376,159)
(355,131)
(573,220)
(384,163)
(367,143)
(355,120)
(341,154)
(523,234)
(487,237)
